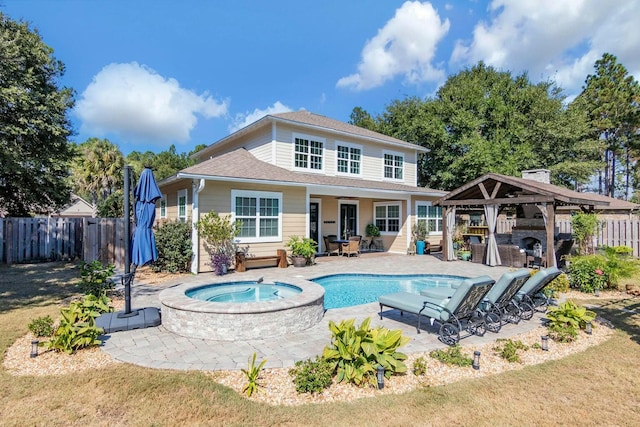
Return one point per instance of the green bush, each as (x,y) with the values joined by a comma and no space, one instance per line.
(588,272)
(566,320)
(559,285)
(508,349)
(78,324)
(95,278)
(620,251)
(312,376)
(452,356)
(591,272)
(356,352)
(419,366)
(173,240)
(41,326)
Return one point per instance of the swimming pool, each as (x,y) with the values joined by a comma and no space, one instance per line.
(346,290)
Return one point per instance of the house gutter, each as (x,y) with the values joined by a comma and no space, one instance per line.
(195,216)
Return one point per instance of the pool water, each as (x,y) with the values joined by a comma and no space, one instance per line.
(346,290)
(246,291)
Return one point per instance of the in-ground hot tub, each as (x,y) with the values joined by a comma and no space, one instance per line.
(298,305)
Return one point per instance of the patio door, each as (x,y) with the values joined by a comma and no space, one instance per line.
(348,220)
(314,217)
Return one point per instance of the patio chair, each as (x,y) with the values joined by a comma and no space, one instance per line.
(455,314)
(353,247)
(498,305)
(531,297)
(332,248)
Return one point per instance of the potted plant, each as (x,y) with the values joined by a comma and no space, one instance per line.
(419,232)
(218,233)
(373,232)
(303,249)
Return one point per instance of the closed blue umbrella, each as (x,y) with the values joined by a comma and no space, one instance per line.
(143,242)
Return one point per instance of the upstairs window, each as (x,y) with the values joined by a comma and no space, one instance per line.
(393,166)
(387,217)
(349,159)
(308,153)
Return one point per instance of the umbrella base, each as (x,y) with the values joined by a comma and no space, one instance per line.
(141,318)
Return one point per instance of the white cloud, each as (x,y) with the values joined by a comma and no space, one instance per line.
(555,39)
(135,102)
(406,45)
(245,119)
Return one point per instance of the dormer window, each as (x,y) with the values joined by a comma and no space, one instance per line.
(308,152)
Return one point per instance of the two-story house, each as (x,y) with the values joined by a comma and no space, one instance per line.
(303,174)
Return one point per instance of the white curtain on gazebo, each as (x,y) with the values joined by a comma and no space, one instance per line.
(545,216)
(491,214)
(451,225)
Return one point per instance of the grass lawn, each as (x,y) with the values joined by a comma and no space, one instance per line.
(597,387)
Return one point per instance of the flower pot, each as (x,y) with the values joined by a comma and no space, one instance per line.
(299,261)
(420,245)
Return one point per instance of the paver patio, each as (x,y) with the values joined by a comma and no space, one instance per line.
(159,348)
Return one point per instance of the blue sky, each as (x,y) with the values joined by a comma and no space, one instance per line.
(151,73)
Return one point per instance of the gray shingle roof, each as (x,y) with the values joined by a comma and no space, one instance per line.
(242,165)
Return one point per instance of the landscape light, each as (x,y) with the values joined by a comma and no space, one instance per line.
(34,348)
(588,328)
(545,342)
(380,375)
(476,360)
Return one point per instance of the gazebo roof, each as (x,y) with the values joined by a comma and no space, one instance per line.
(496,189)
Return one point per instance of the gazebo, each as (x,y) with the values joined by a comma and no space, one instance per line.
(493,192)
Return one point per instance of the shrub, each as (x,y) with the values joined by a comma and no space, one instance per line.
(356,352)
(588,272)
(508,349)
(78,324)
(585,226)
(173,240)
(95,278)
(312,376)
(566,320)
(419,366)
(41,326)
(452,356)
(253,374)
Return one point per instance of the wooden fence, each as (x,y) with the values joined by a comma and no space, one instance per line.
(613,232)
(25,240)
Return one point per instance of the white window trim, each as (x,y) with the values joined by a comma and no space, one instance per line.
(349,145)
(423,203)
(404,164)
(163,199)
(257,195)
(186,203)
(293,152)
(397,203)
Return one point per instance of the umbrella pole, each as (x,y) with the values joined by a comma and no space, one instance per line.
(128,276)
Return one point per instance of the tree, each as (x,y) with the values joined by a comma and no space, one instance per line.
(34,152)
(482,120)
(164,164)
(98,169)
(610,97)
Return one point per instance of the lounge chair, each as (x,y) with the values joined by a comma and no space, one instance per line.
(331,247)
(353,247)
(498,305)
(531,296)
(450,313)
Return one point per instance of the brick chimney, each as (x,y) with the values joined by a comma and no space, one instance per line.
(540,175)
